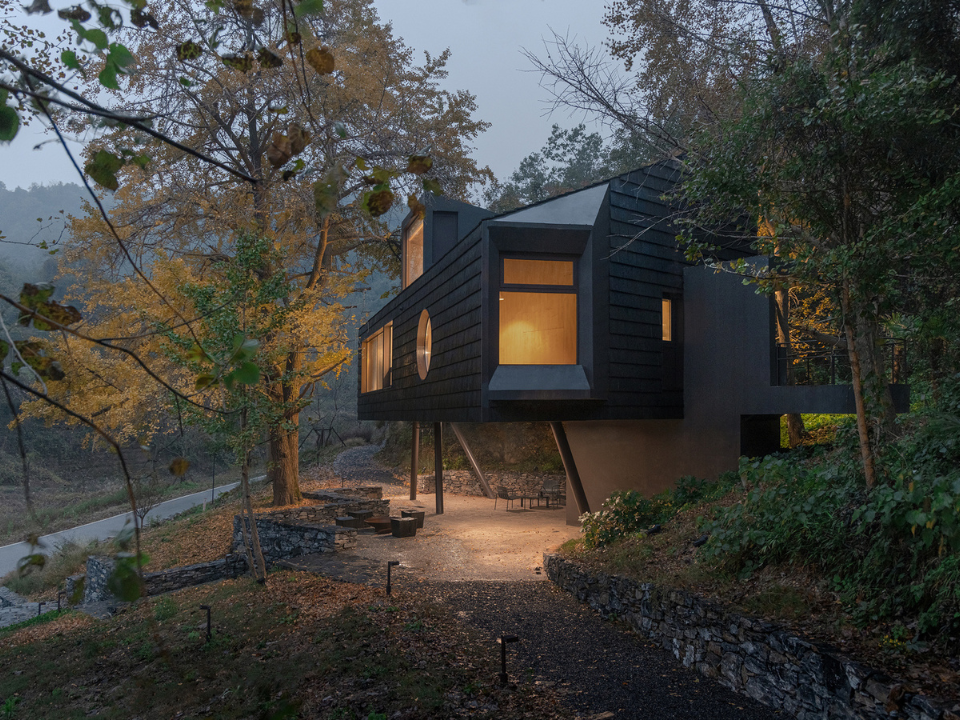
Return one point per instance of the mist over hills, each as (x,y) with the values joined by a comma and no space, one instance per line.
(34,224)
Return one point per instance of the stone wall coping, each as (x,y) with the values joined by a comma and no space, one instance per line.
(751,656)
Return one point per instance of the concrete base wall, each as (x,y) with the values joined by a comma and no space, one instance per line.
(646,455)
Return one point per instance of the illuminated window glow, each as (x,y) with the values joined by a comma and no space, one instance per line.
(666,312)
(538,321)
(377,365)
(537,272)
(413,252)
(424,344)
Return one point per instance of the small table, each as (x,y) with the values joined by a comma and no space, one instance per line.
(530,499)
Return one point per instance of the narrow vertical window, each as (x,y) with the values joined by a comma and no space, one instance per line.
(666,312)
(412,252)
(376,371)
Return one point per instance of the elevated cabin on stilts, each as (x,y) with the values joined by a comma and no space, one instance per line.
(582,311)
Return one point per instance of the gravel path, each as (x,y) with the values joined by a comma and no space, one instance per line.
(356,466)
(604,670)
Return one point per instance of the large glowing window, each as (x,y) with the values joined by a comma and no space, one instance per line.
(377,364)
(412,252)
(538,313)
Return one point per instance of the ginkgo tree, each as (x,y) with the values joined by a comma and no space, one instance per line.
(298,125)
(307,184)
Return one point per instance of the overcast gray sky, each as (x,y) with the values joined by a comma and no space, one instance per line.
(485,37)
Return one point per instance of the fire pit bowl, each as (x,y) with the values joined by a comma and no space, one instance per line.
(380,523)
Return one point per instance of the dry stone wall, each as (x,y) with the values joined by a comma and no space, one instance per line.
(464,482)
(280,540)
(283,534)
(365,492)
(751,656)
(99,569)
(328,513)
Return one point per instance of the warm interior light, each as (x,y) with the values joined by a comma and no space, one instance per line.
(413,252)
(538,328)
(517,271)
(424,344)
(666,315)
(377,360)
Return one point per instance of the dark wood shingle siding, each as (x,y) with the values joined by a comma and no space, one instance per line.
(644,264)
(450,292)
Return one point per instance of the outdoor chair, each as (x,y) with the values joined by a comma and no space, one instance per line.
(552,490)
(504,494)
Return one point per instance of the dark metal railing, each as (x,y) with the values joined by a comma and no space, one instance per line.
(816,363)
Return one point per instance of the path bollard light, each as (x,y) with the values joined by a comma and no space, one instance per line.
(504,640)
(209,630)
(390,564)
(39,607)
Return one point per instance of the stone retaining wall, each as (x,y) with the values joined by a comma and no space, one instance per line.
(99,570)
(366,492)
(464,482)
(231,566)
(753,657)
(336,503)
(8,598)
(100,567)
(283,533)
(280,540)
(328,513)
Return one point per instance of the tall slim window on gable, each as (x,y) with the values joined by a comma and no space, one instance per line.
(412,252)
(538,312)
(377,366)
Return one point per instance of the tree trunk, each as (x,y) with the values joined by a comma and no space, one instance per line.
(875,412)
(284,467)
(795,428)
(260,566)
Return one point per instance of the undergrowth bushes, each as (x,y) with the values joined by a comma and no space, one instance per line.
(891,552)
(627,512)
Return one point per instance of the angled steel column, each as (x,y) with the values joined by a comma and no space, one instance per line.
(414,460)
(473,461)
(566,455)
(438,464)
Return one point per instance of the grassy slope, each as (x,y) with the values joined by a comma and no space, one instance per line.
(302,646)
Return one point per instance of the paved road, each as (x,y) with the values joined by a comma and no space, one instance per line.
(103,529)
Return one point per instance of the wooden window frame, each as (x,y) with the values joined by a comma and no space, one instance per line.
(572,289)
(386,358)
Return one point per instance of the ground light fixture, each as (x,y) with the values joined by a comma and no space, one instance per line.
(209,630)
(390,564)
(504,640)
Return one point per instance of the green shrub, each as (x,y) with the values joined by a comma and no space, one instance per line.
(628,512)
(890,551)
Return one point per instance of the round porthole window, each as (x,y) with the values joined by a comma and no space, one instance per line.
(424,344)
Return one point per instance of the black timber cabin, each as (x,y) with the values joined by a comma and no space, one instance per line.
(581,311)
